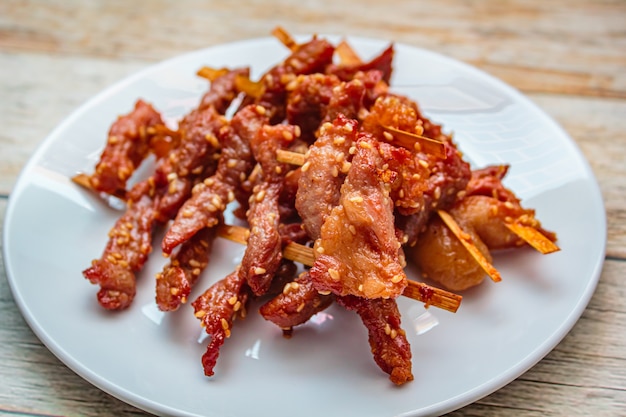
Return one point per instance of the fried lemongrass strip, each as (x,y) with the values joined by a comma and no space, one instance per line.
(288,157)
(211,74)
(430,296)
(346,54)
(253,89)
(415,142)
(285,38)
(466,240)
(533,237)
(82,179)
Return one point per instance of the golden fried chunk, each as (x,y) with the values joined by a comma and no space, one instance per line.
(358,251)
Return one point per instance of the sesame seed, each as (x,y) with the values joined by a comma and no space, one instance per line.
(324,292)
(334,274)
(306,166)
(258,270)
(423,163)
(237,306)
(200,314)
(174,291)
(393,333)
(300,307)
(224,323)
(352,229)
(287,135)
(231,163)
(388,136)
(320,249)
(260,110)
(365,145)
(232,300)
(387,329)
(360,287)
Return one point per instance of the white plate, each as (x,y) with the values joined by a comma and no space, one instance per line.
(53,229)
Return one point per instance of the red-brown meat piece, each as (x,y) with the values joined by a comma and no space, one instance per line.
(387,339)
(358,252)
(327,162)
(127,145)
(217,307)
(296,304)
(264,250)
(130,243)
(174,283)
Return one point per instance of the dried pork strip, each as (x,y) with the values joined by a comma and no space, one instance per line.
(208,200)
(358,252)
(309,58)
(127,145)
(296,304)
(264,250)
(327,162)
(217,308)
(390,348)
(130,242)
(174,283)
(223,90)
(309,96)
(382,63)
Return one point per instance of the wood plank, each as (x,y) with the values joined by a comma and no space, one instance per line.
(535,45)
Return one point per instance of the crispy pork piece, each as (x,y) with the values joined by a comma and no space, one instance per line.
(264,250)
(130,243)
(296,304)
(127,146)
(358,252)
(390,348)
(217,308)
(309,58)
(383,63)
(174,283)
(223,90)
(209,199)
(322,174)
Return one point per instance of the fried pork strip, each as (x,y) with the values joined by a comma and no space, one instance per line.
(358,252)
(390,348)
(208,200)
(175,282)
(296,304)
(327,162)
(217,308)
(130,243)
(127,146)
(382,63)
(223,90)
(308,58)
(264,250)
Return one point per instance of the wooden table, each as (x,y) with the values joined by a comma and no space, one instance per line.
(569,57)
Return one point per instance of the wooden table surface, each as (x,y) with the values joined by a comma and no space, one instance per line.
(569,57)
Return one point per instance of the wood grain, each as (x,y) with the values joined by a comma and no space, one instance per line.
(569,57)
